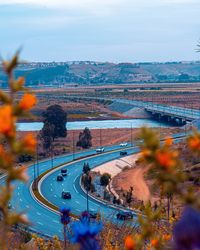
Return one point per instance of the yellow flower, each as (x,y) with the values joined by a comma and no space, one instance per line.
(169,141)
(166,237)
(21,81)
(146,153)
(165,159)
(129,243)
(194,143)
(154,242)
(29,142)
(27,102)
(6,120)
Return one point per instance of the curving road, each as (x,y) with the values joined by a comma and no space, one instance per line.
(43,220)
(46,221)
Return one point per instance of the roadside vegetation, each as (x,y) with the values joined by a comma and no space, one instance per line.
(150,231)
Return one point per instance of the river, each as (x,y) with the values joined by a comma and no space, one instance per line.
(105,124)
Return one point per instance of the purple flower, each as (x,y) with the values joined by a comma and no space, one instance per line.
(186,232)
(85,217)
(64,215)
(85,234)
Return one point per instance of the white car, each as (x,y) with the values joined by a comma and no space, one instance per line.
(123,144)
(100,150)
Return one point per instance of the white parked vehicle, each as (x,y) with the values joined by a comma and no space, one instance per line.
(100,150)
(123,144)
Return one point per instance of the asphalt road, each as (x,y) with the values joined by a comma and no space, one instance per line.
(43,220)
(47,222)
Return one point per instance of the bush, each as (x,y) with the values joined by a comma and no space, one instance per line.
(105,179)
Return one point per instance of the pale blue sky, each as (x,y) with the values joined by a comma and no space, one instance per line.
(100,30)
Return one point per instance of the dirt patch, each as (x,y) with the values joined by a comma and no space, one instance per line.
(133,177)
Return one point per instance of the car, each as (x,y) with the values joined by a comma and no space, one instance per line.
(100,150)
(124,215)
(123,144)
(64,172)
(66,195)
(60,178)
(93,214)
(123,153)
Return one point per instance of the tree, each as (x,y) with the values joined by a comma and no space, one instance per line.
(56,116)
(86,168)
(129,195)
(105,179)
(46,135)
(85,139)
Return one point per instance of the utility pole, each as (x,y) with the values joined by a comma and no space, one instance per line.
(87,194)
(131,135)
(34,174)
(52,154)
(73,146)
(37,163)
(100,138)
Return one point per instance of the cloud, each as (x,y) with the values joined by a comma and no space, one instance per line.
(81,3)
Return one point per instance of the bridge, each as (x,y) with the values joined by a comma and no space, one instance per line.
(168,113)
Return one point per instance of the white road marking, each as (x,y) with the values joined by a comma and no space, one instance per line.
(55,195)
(78,210)
(75,189)
(55,221)
(27,206)
(20,199)
(77,202)
(51,190)
(38,213)
(40,223)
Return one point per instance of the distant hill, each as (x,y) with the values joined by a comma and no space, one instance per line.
(86,72)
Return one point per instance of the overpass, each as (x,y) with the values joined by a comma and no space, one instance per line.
(168,113)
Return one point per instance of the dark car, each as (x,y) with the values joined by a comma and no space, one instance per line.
(66,195)
(93,215)
(64,172)
(124,215)
(60,178)
(123,153)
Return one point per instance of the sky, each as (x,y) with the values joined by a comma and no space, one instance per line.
(100,30)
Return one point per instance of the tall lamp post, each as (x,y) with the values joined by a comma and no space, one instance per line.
(131,134)
(86,171)
(100,138)
(37,161)
(65,219)
(52,154)
(73,146)
(34,175)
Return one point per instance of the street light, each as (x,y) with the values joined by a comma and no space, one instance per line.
(73,146)
(52,154)
(65,219)
(100,138)
(86,171)
(34,174)
(131,134)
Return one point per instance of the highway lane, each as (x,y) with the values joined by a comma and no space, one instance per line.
(46,221)
(51,189)
(42,220)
